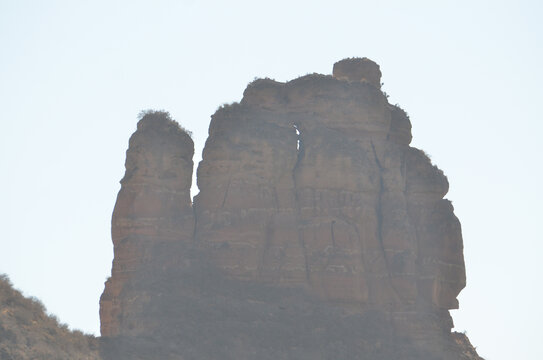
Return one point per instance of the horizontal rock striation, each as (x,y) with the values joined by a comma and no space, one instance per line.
(313,182)
(318,232)
(152,220)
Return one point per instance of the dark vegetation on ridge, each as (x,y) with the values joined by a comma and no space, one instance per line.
(27,332)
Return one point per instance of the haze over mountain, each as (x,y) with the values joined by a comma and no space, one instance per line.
(74,75)
(318,232)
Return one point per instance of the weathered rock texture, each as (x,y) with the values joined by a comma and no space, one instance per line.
(152,218)
(318,233)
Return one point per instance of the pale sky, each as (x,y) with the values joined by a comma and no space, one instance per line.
(75,74)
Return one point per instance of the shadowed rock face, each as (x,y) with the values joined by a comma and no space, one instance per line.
(318,232)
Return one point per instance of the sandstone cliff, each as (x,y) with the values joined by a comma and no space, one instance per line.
(152,219)
(28,333)
(318,233)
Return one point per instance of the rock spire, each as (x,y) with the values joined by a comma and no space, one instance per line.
(318,232)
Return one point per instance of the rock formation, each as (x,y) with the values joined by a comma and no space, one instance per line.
(318,233)
(152,217)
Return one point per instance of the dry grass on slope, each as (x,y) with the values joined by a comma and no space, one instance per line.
(27,332)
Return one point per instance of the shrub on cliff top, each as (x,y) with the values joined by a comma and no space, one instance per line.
(162,114)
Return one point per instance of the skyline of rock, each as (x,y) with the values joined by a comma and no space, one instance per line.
(309,189)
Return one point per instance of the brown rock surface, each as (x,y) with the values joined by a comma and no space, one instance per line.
(353,213)
(318,233)
(356,69)
(152,218)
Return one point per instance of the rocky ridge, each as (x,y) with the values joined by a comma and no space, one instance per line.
(28,333)
(318,233)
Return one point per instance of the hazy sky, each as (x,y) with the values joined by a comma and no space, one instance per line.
(74,75)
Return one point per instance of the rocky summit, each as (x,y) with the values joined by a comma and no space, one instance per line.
(318,233)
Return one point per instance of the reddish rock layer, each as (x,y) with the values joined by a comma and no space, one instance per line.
(318,232)
(152,217)
(313,183)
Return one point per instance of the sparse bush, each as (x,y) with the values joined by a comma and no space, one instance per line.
(164,115)
(228,106)
(27,332)
(5,279)
(37,304)
(426,154)
(153,112)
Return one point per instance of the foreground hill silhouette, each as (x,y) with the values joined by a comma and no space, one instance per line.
(318,233)
(27,332)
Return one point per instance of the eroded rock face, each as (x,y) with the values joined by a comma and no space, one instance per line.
(152,218)
(313,210)
(356,69)
(313,183)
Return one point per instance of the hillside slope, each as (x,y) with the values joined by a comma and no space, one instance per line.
(27,332)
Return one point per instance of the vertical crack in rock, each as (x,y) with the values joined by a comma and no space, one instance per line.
(226,192)
(332,234)
(313,210)
(298,137)
(380,223)
(299,157)
(195,223)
